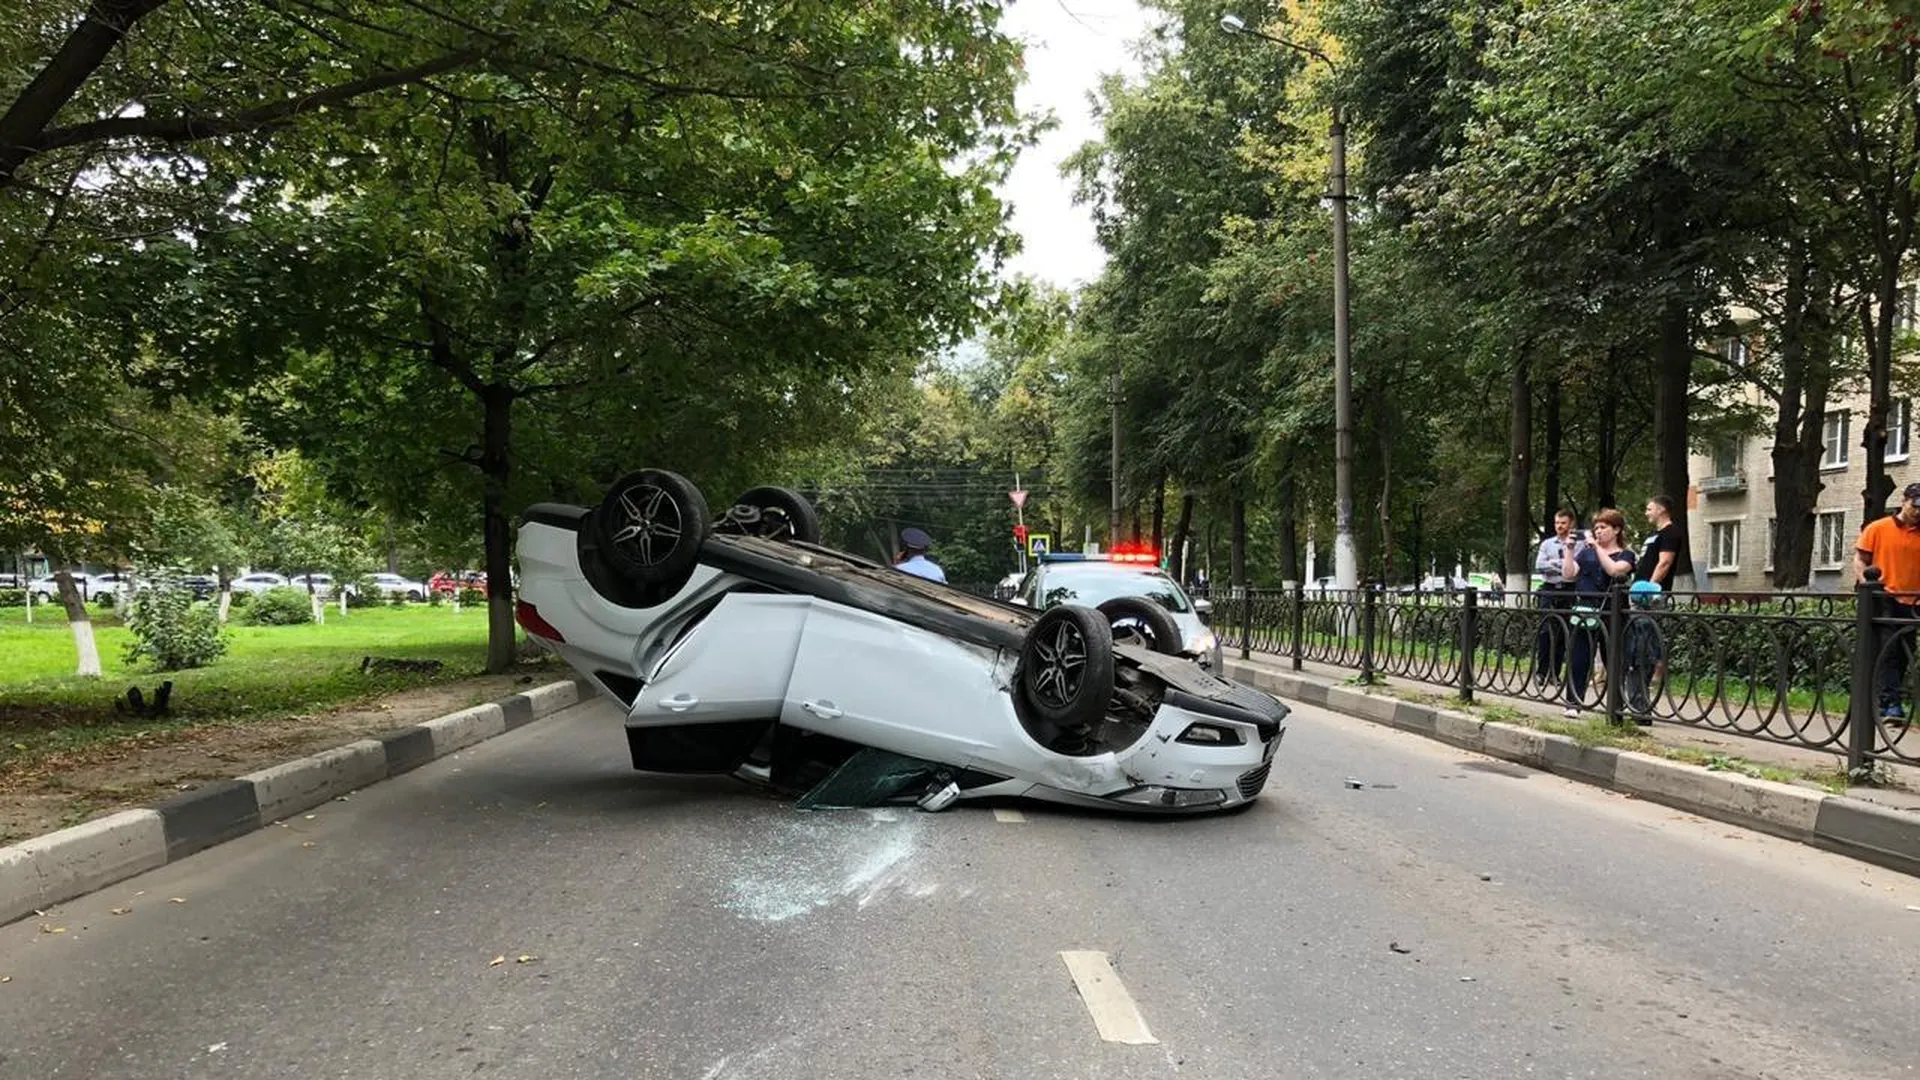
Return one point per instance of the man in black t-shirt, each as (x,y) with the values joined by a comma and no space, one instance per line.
(1662,546)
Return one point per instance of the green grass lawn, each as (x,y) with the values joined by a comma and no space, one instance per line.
(277,670)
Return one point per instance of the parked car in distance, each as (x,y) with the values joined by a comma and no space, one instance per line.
(45,590)
(392,585)
(321,585)
(448,582)
(260,582)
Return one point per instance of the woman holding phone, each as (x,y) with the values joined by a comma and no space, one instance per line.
(1593,565)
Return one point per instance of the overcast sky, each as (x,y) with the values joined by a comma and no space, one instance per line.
(1070,44)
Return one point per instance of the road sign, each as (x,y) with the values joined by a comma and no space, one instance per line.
(1019,497)
(1020,534)
(1039,544)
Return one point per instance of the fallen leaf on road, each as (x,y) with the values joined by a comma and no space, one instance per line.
(1466,978)
(496,961)
(121,910)
(1913,907)
(309,817)
(176,899)
(525,959)
(216,1048)
(306,843)
(6,978)
(45,929)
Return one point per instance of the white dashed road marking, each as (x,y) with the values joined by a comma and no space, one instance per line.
(1114,1014)
(1009,816)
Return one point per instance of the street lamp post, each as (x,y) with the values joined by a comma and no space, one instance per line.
(1346,563)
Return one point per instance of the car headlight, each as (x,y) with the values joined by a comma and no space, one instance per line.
(1203,644)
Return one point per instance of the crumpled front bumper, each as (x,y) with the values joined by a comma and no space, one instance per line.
(1191,761)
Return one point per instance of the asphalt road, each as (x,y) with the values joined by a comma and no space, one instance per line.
(1456,917)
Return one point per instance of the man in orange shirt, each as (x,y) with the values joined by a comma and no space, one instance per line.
(1892,544)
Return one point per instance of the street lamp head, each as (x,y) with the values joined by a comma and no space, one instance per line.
(1233,24)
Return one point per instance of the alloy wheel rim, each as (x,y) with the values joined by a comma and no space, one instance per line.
(653,523)
(1062,667)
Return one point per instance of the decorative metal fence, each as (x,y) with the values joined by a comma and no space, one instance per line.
(1829,672)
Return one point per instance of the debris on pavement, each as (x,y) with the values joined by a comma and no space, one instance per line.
(1354,784)
(176,899)
(216,1048)
(1913,907)
(1486,877)
(496,961)
(1466,978)
(121,910)
(1399,948)
(525,958)
(45,929)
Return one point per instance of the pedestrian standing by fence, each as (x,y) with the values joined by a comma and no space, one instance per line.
(1657,558)
(1892,543)
(1593,568)
(1554,598)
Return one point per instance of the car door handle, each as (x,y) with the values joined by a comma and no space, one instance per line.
(825,710)
(680,703)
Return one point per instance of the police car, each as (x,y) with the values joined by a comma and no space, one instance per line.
(1128,584)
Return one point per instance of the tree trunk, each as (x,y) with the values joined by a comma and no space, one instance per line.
(1237,552)
(1873,435)
(1551,459)
(1605,439)
(1671,384)
(1386,488)
(1182,531)
(1799,423)
(1160,513)
(1135,516)
(392,545)
(84,646)
(495,470)
(1519,528)
(1289,523)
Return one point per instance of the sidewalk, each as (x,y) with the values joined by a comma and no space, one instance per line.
(1902,792)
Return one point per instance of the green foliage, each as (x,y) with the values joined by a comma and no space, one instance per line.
(361,592)
(470,597)
(278,607)
(13,597)
(169,629)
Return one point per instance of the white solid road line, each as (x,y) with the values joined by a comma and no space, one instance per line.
(1009,816)
(1114,1014)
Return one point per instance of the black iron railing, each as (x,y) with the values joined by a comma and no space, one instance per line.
(1829,672)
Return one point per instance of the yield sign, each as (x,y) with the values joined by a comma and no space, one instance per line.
(1019,497)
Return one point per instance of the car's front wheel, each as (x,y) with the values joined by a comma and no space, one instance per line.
(1066,667)
(1140,621)
(650,526)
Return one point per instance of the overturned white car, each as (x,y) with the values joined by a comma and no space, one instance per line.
(740,645)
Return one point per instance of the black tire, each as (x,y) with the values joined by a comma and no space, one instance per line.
(415,595)
(611,584)
(650,525)
(772,513)
(1139,619)
(1066,667)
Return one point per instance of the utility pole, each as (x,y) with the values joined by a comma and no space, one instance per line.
(1346,562)
(1113,511)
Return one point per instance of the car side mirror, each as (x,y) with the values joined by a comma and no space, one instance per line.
(1203,608)
(1019,600)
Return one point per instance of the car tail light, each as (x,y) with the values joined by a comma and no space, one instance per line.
(529,618)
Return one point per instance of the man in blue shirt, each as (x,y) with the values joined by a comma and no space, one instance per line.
(914,543)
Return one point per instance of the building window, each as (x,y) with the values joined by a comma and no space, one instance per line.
(1735,352)
(1724,552)
(1726,458)
(1830,539)
(1897,423)
(1835,456)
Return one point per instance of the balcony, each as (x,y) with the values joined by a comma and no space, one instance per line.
(1721,485)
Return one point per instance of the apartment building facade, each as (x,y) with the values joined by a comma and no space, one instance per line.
(1730,511)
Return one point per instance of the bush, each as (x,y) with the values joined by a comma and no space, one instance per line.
(472,597)
(279,607)
(435,598)
(362,592)
(13,597)
(171,630)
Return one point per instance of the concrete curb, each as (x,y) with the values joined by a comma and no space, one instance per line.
(59,866)
(1849,826)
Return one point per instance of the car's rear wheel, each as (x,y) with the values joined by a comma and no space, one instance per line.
(1066,667)
(1140,621)
(772,513)
(650,526)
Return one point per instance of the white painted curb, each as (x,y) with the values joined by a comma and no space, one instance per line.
(306,783)
(46,870)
